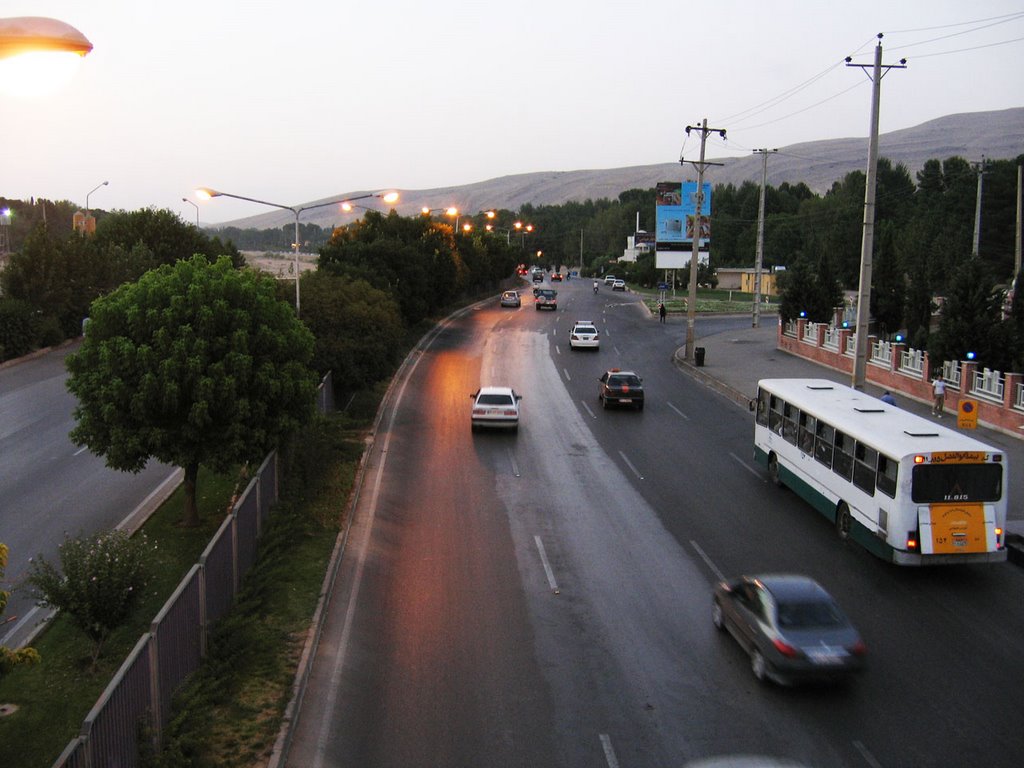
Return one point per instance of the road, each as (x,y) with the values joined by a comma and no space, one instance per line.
(48,485)
(544,598)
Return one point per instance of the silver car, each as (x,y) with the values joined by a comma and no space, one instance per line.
(495,407)
(510,299)
(584,335)
(790,626)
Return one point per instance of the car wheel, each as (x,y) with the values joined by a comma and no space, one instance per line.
(758,666)
(844,521)
(716,615)
(773,470)
(604,403)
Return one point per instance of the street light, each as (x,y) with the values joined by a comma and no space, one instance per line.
(523,230)
(205,193)
(38,55)
(194,205)
(32,34)
(86,222)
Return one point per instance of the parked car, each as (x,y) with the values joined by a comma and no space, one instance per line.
(546,298)
(584,335)
(619,285)
(609,279)
(790,626)
(621,388)
(495,407)
(511,299)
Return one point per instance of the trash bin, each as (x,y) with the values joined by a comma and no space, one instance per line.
(698,357)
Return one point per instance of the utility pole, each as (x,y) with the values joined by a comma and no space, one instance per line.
(867,240)
(1016,246)
(759,258)
(691,304)
(977,209)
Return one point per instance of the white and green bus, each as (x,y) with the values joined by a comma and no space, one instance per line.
(908,490)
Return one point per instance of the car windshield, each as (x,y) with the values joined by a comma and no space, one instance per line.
(809,614)
(494,400)
(624,380)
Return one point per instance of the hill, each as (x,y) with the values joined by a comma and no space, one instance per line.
(996,135)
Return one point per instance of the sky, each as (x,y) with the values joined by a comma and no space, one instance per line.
(311,99)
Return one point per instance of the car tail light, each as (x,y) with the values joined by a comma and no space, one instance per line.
(858,648)
(786,649)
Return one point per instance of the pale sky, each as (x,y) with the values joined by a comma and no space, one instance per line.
(296,101)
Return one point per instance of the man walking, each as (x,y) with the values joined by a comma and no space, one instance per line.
(661,311)
(939,391)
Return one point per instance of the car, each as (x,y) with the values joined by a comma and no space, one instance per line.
(584,335)
(556,276)
(792,629)
(538,277)
(546,298)
(495,407)
(621,388)
(609,279)
(511,299)
(619,285)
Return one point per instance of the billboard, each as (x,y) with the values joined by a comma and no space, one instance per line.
(675,214)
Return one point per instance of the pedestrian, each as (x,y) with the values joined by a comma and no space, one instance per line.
(888,399)
(661,311)
(939,390)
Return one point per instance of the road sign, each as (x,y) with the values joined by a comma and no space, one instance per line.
(967,414)
(662,286)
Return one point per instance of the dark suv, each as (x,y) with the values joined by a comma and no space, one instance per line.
(621,388)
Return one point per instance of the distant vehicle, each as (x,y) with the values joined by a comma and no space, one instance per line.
(584,335)
(511,299)
(546,298)
(790,627)
(556,276)
(538,277)
(619,285)
(621,388)
(495,407)
(609,279)
(908,490)
(522,270)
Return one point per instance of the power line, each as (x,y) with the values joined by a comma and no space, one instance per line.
(964,50)
(1005,16)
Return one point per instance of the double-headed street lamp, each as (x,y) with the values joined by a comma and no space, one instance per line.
(205,193)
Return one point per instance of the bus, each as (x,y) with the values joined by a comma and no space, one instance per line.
(910,491)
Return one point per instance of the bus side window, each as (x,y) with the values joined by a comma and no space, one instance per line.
(864,467)
(842,460)
(806,439)
(824,435)
(888,473)
(762,407)
(775,416)
(789,416)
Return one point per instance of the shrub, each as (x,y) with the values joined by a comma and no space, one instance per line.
(99,584)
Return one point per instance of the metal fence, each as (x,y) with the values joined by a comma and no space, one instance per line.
(137,702)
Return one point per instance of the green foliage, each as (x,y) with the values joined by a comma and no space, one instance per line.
(971,321)
(163,233)
(100,582)
(10,659)
(194,364)
(809,290)
(17,328)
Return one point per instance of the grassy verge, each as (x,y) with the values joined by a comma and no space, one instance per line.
(709,301)
(54,696)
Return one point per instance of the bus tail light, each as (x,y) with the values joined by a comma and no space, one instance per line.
(913,545)
(999,538)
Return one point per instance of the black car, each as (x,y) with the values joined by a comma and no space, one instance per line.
(621,388)
(790,627)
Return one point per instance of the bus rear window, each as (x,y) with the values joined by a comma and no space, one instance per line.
(936,484)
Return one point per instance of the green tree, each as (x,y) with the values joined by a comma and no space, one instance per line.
(164,233)
(10,659)
(971,320)
(194,364)
(99,584)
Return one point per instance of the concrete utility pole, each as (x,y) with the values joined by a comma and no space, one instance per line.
(691,304)
(1016,246)
(759,258)
(977,209)
(867,241)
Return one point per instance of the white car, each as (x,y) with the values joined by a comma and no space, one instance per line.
(496,407)
(619,285)
(584,335)
(609,279)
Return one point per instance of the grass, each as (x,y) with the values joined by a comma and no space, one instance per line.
(710,301)
(54,696)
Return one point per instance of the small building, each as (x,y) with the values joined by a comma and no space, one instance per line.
(742,279)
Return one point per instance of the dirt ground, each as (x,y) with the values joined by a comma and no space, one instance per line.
(280,265)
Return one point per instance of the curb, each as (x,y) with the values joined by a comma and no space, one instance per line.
(729,392)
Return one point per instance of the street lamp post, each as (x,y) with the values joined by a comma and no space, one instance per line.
(31,34)
(194,205)
(206,193)
(87,197)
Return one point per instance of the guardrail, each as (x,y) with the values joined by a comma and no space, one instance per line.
(988,383)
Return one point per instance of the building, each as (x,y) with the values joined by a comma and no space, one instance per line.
(742,279)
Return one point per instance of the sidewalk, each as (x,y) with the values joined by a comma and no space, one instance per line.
(734,361)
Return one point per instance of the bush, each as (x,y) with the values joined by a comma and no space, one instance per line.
(17,336)
(100,582)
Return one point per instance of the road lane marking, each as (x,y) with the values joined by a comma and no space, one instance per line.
(567,376)
(868,757)
(630,465)
(678,411)
(609,753)
(558,349)
(512,460)
(707,560)
(617,350)
(587,408)
(547,566)
(81,450)
(747,467)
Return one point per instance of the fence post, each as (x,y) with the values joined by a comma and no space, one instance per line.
(1010,383)
(898,348)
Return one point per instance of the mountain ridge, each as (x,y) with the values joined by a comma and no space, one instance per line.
(996,135)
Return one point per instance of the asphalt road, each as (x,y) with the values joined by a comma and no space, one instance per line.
(543,598)
(48,485)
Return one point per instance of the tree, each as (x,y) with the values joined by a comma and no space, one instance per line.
(10,659)
(99,584)
(971,320)
(164,233)
(194,364)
